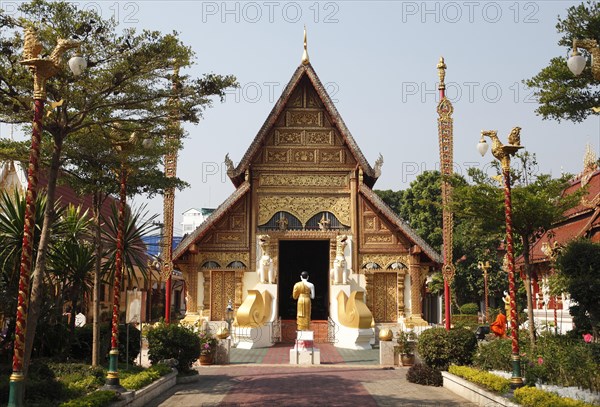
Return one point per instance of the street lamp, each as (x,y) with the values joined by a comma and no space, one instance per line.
(42,69)
(577,62)
(503,153)
(123,146)
(485,266)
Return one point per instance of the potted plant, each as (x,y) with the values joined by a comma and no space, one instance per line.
(208,348)
(406,341)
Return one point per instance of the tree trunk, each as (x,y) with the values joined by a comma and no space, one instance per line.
(36,298)
(97,205)
(531,324)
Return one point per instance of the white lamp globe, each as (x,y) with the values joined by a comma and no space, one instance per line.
(576,63)
(482,147)
(77,64)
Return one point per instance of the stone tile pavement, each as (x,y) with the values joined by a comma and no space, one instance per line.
(263,377)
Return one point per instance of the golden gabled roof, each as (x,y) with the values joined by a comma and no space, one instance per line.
(237,175)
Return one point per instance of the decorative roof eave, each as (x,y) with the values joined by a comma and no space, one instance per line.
(386,211)
(237,175)
(214,217)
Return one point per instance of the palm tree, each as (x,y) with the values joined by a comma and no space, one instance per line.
(12,215)
(138,224)
(71,259)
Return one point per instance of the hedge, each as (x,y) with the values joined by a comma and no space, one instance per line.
(488,380)
(534,397)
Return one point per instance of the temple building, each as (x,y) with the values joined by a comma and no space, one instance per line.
(582,221)
(304,200)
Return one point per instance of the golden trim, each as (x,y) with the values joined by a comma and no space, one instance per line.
(17,377)
(353,312)
(304,207)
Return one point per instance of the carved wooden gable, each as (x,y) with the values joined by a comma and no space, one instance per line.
(303,135)
(231,230)
(377,233)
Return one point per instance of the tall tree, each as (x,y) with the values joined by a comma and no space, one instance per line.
(537,200)
(578,264)
(563,96)
(127,82)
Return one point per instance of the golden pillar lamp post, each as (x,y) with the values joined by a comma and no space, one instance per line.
(123,146)
(503,153)
(485,266)
(42,69)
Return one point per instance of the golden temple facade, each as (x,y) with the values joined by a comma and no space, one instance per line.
(304,201)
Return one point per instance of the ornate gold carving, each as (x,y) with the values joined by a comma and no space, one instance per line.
(384,260)
(379,239)
(304,118)
(328,156)
(370,223)
(304,156)
(326,181)
(277,156)
(255,310)
(296,98)
(384,296)
(303,207)
(222,289)
(229,238)
(353,312)
(319,137)
(288,137)
(313,100)
(223,258)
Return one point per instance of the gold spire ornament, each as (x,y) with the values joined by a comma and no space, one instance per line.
(441,67)
(305,59)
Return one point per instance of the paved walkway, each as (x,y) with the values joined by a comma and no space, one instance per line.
(264,377)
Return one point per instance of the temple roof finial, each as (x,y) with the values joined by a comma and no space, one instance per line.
(441,66)
(305,59)
(590,160)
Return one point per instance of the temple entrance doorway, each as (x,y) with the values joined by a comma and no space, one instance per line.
(296,256)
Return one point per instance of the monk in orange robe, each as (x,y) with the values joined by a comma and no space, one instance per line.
(498,327)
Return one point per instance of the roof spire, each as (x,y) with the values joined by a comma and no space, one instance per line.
(590,161)
(441,66)
(305,59)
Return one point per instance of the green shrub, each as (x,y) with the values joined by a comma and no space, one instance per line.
(434,348)
(562,361)
(533,397)
(424,375)
(99,398)
(469,309)
(142,379)
(167,341)
(494,355)
(463,344)
(465,321)
(488,380)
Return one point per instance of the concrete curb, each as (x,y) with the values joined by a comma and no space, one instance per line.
(474,393)
(141,397)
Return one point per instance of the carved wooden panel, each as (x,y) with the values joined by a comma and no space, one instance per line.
(230,232)
(304,118)
(384,293)
(300,180)
(288,137)
(319,137)
(304,156)
(222,289)
(277,156)
(332,156)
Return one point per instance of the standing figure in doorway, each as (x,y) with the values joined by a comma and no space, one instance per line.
(304,292)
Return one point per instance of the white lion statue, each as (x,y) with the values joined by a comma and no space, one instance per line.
(265,264)
(340,272)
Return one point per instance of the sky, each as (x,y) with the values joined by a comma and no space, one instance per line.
(378,61)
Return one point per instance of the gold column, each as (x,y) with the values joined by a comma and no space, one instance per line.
(206,308)
(191,278)
(401,311)
(417,278)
